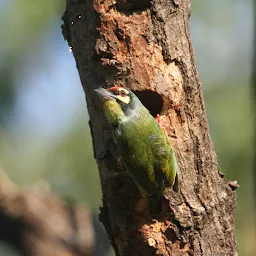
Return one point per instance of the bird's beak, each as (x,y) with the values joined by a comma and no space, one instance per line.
(105,94)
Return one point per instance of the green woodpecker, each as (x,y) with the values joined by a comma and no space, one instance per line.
(142,143)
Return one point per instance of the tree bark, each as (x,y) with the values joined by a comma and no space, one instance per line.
(146,46)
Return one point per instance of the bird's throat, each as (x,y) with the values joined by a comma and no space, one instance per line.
(113,112)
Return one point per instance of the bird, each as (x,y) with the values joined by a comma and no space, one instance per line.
(143,145)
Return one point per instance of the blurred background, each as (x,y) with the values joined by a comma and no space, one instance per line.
(44,132)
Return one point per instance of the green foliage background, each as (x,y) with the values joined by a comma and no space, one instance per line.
(66,160)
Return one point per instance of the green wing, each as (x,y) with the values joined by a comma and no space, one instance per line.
(147,154)
(165,160)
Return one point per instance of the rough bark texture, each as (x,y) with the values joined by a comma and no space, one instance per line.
(146,46)
(39,223)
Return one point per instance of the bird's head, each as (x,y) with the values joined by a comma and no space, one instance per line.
(118,102)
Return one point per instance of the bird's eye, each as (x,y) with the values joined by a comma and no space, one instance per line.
(122,93)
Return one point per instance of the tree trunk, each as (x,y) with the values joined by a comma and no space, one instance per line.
(146,46)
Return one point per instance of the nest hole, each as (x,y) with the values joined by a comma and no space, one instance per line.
(151,100)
